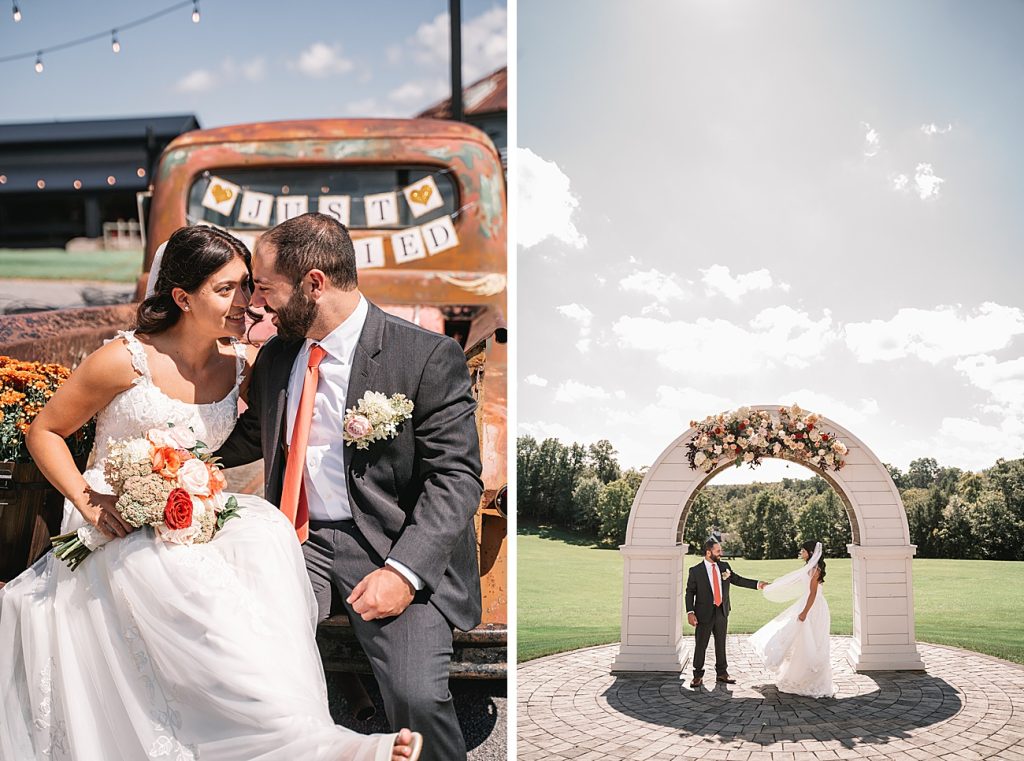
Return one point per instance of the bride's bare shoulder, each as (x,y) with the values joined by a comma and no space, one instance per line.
(112,360)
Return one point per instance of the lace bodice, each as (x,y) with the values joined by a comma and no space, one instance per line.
(132,413)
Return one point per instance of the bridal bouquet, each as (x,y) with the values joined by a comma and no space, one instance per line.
(167,480)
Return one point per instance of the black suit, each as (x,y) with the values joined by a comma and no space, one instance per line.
(412,499)
(711,619)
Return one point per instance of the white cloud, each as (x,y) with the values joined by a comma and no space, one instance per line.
(254,70)
(718,280)
(535,380)
(320,60)
(578,314)
(229,72)
(1004,381)
(926,183)
(936,334)
(484,43)
(371,107)
(964,442)
(844,412)
(419,93)
(200,80)
(655,309)
(933,129)
(541,430)
(780,335)
(671,411)
(571,391)
(871,140)
(900,182)
(583,345)
(546,202)
(658,285)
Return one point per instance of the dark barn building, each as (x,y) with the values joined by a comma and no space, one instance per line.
(64,180)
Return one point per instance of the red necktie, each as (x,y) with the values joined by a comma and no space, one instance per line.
(293,493)
(718,587)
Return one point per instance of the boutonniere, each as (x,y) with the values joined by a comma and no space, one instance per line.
(376,417)
(726,575)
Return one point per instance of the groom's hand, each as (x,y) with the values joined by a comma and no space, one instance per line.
(762,584)
(381,594)
(692,618)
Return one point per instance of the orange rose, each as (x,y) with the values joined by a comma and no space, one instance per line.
(167,461)
(217,480)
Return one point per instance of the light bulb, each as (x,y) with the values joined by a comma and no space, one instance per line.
(15,12)
(195,11)
(115,45)
(39,62)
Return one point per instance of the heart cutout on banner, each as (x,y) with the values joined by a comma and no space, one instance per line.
(221,193)
(421,195)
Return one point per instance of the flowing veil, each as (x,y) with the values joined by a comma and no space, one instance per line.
(793,584)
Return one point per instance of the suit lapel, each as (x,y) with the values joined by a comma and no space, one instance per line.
(365,365)
(277,393)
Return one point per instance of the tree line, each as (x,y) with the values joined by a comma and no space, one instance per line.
(951,513)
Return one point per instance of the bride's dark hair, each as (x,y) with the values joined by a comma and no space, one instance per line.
(809,546)
(192,255)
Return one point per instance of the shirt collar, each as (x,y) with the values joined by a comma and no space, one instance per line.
(341,342)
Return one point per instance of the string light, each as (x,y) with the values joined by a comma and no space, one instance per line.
(77,184)
(109,34)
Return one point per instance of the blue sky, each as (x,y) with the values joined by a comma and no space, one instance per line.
(243,62)
(728,203)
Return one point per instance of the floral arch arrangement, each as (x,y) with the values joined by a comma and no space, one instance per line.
(748,435)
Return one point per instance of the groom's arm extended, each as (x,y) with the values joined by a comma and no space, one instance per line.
(449,452)
(744,582)
(244,445)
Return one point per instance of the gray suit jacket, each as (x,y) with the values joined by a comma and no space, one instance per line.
(413,497)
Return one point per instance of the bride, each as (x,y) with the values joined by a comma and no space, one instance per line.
(795,644)
(154,650)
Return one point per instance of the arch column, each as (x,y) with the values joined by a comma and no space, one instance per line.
(652,596)
(883,609)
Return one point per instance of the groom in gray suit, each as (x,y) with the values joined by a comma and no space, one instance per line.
(389,526)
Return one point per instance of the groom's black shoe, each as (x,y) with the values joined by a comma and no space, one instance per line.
(726,679)
(697,681)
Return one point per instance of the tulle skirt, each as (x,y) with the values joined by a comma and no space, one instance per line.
(797,653)
(152,650)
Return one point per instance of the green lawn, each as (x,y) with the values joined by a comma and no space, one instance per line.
(57,264)
(569,596)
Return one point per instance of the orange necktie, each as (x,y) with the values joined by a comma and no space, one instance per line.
(718,587)
(293,493)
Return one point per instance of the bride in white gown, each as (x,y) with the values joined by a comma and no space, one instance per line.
(151,650)
(795,644)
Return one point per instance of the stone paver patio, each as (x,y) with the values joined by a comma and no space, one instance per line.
(966,706)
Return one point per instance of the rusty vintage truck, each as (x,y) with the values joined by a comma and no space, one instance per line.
(425,203)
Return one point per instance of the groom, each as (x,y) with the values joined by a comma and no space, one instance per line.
(707,608)
(390,525)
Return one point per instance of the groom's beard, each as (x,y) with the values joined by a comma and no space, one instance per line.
(296,317)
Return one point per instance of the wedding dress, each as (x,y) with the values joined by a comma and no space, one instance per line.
(797,653)
(152,650)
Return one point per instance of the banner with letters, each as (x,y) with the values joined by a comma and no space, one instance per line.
(381,210)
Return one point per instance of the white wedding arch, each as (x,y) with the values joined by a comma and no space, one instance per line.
(654,553)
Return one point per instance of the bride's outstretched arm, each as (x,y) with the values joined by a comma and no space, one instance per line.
(812,595)
(102,375)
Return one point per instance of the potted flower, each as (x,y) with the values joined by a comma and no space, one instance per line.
(30,508)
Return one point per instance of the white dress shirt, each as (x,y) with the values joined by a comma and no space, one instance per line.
(325,478)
